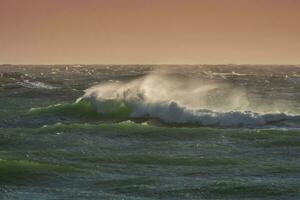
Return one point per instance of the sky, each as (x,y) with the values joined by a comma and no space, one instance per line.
(150,31)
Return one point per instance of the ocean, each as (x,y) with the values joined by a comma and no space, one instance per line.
(141,132)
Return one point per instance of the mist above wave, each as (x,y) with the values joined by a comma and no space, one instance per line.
(166,88)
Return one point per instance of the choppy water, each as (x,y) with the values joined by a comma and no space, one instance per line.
(149,132)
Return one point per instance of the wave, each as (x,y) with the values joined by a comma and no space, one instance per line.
(172,113)
(25,171)
(159,98)
(36,85)
(225,74)
(168,113)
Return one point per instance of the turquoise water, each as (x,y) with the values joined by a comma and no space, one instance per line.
(52,147)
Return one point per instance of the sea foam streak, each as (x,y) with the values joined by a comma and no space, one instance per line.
(36,85)
(182,101)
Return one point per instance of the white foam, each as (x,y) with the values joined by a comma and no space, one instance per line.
(36,84)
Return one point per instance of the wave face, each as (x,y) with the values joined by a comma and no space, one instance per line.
(192,102)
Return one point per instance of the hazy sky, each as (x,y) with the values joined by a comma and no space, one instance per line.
(149,31)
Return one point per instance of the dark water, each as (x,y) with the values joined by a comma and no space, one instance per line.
(133,148)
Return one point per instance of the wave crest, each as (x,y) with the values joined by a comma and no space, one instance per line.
(171,101)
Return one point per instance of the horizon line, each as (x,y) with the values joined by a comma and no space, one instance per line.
(46,64)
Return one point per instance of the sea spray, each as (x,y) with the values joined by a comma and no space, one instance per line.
(184,102)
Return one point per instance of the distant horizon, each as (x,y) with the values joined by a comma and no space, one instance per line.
(41,64)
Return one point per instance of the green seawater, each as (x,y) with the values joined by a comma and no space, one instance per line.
(54,148)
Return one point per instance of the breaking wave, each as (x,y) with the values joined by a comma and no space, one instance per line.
(173,101)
